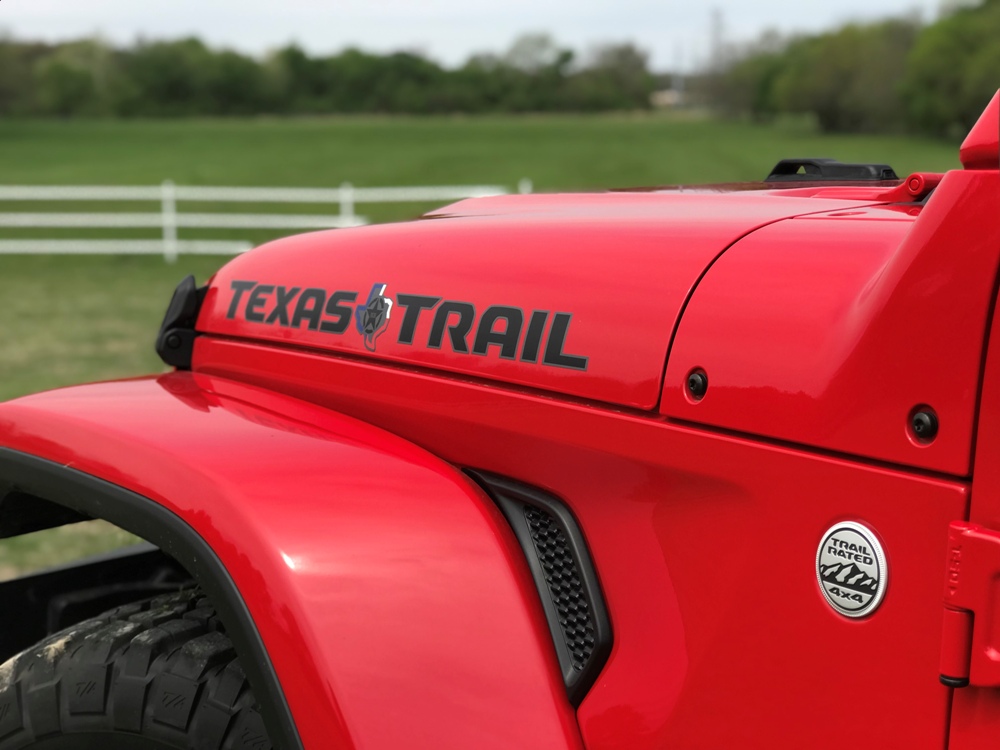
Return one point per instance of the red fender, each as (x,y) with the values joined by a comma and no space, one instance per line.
(387,592)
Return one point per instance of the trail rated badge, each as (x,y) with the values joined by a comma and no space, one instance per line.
(851,569)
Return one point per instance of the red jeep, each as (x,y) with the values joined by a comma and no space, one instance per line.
(701,468)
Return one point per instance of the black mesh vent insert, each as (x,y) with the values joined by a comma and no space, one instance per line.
(564,574)
(565,583)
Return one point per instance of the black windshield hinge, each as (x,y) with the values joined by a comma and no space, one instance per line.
(175,342)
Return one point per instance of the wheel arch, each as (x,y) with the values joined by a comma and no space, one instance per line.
(92,497)
(357,572)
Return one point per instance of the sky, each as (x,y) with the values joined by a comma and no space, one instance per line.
(671,31)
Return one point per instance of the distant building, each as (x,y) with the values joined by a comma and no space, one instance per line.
(667,99)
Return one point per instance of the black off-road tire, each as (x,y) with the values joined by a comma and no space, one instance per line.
(155,675)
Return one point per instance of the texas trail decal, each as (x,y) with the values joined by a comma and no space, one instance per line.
(528,336)
(851,569)
(373,317)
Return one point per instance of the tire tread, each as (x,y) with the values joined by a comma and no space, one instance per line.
(163,669)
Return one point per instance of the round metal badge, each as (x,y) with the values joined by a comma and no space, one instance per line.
(851,569)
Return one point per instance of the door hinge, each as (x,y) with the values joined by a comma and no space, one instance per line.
(970,637)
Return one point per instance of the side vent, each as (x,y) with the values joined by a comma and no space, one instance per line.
(565,576)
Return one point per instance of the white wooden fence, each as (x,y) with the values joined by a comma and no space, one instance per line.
(169,219)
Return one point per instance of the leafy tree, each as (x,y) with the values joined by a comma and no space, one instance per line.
(235,85)
(848,79)
(16,75)
(64,89)
(167,79)
(952,70)
(76,78)
(748,86)
(185,78)
(622,72)
(531,53)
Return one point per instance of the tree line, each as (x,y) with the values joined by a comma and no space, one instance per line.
(187,78)
(891,76)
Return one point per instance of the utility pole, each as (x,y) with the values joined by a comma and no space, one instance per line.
(718,40)
(677,78)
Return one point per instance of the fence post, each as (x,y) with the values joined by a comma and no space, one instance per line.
(346,203)
(168,202)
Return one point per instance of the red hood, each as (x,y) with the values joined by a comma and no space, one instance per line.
(573,294)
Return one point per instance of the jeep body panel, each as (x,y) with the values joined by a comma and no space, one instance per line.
(830,329)
(381,581)
(584,290)
(705,545)
(704,515)
(976,709)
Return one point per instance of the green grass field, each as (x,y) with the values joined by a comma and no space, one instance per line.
(557,152)
(66,320)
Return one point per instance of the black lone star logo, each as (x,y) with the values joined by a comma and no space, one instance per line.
(373,316)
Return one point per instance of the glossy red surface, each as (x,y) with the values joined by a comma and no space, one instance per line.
(389,592)
(831,329)
(621,264)
(976,711)
(981,148)
(705,545)
(974,564)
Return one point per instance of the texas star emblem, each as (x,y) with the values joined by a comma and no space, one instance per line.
(851,569)
(373,316)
